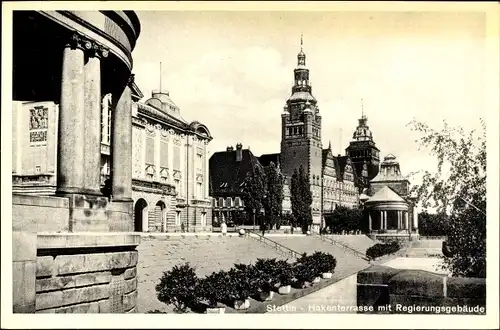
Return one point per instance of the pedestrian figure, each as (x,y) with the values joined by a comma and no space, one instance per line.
(223,228)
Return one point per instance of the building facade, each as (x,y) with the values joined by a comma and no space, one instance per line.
(169,168)
(228,171)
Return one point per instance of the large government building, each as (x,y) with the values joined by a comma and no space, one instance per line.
(334,179)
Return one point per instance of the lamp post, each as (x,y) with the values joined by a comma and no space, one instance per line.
(253,219)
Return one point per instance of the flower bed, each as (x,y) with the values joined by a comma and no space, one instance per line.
(381,249)
(262,280)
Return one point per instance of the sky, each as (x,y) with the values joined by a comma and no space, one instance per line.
(233,71)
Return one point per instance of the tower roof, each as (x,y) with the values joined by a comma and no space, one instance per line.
(385,194)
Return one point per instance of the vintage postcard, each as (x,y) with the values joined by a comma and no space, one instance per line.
(283,164)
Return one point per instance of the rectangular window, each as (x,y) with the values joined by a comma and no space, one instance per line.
(38,169)
(150,150)
(200,190)
(177,184)
(203,219)
(214,202)
(229,202)
(177,157)
(178,218)
(221,202)
(237,202)
(164,154)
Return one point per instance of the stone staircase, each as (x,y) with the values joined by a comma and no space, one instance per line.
(348,261)
(425,248)
(343,245)
(359,243)
(207,253)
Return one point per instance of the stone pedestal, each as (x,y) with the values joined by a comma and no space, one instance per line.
(23,271)
(86,273)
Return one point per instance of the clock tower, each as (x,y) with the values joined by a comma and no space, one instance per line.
(301,135)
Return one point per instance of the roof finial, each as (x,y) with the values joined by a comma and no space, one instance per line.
(301,40)
(329,145)
(160,78)
(362,109)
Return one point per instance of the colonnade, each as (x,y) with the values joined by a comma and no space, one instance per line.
(79,136)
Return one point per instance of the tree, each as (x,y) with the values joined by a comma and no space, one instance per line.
(432,224)
(458,188)
(344,218)
(301,198)
(254,190)
(273,203)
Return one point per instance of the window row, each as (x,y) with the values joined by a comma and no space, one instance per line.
(227,202)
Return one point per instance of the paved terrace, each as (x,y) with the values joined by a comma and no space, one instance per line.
(206,252)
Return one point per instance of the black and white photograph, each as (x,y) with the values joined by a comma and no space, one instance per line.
(300,161)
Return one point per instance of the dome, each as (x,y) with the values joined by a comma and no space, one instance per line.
(161,100)
(362,132)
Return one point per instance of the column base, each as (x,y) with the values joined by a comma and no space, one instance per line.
(67,191)
(88,213)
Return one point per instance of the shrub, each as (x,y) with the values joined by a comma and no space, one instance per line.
(214,288)
(285,272)
(242,282)
(325,262)
(381,249)
(178,287)
(303,272)
(268,273)
(310,263)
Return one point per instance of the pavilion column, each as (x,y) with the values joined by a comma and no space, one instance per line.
(381,220)
(369,222)
(122,146)
(92,106)
(406,221)
(385,220)
(400,219)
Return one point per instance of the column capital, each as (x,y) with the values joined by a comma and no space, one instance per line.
(131,79)
(89,46)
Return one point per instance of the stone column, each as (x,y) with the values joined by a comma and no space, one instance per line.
(369,222)
(92,106)
(122,146)
(400,219)
(71,132)
(406,220)
(381,220)
(385,220)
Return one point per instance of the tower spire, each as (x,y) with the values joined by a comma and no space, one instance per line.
(362,109)
(329,145)
(301,40)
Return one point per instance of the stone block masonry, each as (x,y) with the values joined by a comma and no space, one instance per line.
(396,291)
(85,273)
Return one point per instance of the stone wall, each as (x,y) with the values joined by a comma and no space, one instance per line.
(40,213)
(84,273)
(396,291)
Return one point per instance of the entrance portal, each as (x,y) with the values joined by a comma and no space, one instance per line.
(140,215)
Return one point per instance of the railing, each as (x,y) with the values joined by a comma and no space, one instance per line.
(275,245)
(345,246)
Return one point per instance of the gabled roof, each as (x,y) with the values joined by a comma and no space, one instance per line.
(227,175)
(266,159)
(385,194)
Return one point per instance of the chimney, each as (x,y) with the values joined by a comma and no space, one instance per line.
(239,152)
(229,149)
